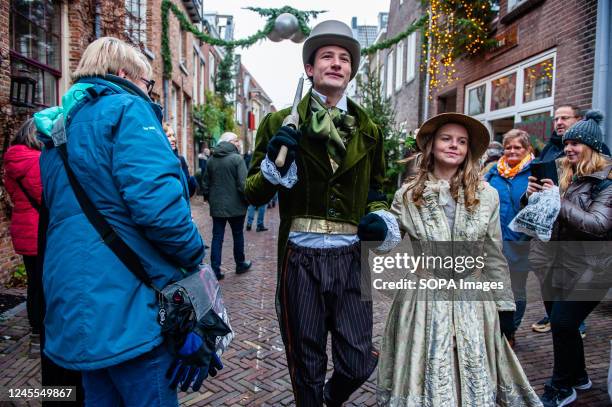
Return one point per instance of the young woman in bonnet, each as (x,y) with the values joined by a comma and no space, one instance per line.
(439,348)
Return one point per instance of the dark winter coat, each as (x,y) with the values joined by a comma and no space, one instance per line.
(585,216)
(223,182)
(21,165)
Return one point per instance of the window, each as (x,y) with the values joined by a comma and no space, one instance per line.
(514,3)
(411,57)
(34,31)
(239,113)
(503,92)
(181,52)
(194,91)
(211,72)
(538,81)
(184,122)
(476,100)
(520,95)
(173,107)
(201,82)
(389,74)
(399,66)
(136,20)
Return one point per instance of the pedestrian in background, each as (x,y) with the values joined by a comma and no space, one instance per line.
(191,181)
(261,213)
(494,153)
(509,176)
(22,181)
(223,188)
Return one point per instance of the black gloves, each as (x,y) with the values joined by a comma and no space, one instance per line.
(196,359)
(372,228)
(288,137)
(506,323)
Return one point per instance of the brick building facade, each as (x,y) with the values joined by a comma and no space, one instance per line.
(398,66)
(545,57)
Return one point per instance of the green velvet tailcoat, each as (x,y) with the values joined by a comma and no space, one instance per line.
(342,196)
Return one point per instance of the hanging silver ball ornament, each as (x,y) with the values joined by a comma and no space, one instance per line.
(298,36)
(286,25)
(274,37)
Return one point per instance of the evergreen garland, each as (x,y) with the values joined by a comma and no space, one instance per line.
(420,23)
(186,25)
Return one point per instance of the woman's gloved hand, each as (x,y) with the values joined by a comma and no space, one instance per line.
(373,228)
(506,323)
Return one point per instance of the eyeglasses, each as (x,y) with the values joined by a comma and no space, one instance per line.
(564,118)
(150,84)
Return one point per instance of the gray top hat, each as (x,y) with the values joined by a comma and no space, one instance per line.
(333,32)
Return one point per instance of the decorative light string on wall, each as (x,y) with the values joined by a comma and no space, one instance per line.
(454,29)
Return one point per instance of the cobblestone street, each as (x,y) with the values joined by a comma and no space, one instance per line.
(255,372)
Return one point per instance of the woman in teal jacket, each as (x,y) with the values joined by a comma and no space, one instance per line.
(101,319)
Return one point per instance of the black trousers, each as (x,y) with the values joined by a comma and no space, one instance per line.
(34,307)
(320,294)
(565,318)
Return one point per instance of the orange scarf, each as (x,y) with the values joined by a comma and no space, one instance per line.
(510,172)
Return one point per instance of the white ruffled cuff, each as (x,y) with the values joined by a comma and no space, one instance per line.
(393,237)
(271,173)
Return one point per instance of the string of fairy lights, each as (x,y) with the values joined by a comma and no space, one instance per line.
(455,29)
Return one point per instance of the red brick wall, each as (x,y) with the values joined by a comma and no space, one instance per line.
(568,25)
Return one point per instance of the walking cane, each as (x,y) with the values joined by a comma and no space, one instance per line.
(292,121)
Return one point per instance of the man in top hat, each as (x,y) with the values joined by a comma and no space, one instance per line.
(330,200)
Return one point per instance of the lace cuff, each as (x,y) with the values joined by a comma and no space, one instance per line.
(270,172)
(393,237)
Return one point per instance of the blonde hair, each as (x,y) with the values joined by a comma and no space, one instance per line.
(590,162)
(521,135)
(467,177)
(168,129)
(107,55)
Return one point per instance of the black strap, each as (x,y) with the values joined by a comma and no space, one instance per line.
(33,202)
(600,186)
(127,256)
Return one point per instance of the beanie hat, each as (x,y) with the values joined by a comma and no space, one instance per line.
(587,131)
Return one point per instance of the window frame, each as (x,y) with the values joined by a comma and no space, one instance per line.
(390,64)
(411,57)
(399,66)
(15,55)
(519,108)
(137,35)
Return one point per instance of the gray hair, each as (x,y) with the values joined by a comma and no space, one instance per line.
(228,137)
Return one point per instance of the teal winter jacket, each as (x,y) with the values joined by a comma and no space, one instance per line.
(98,314)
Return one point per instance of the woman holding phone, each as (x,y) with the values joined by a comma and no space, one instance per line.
(585,186)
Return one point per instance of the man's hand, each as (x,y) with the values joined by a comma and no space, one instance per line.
(372,228)
(288,137)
